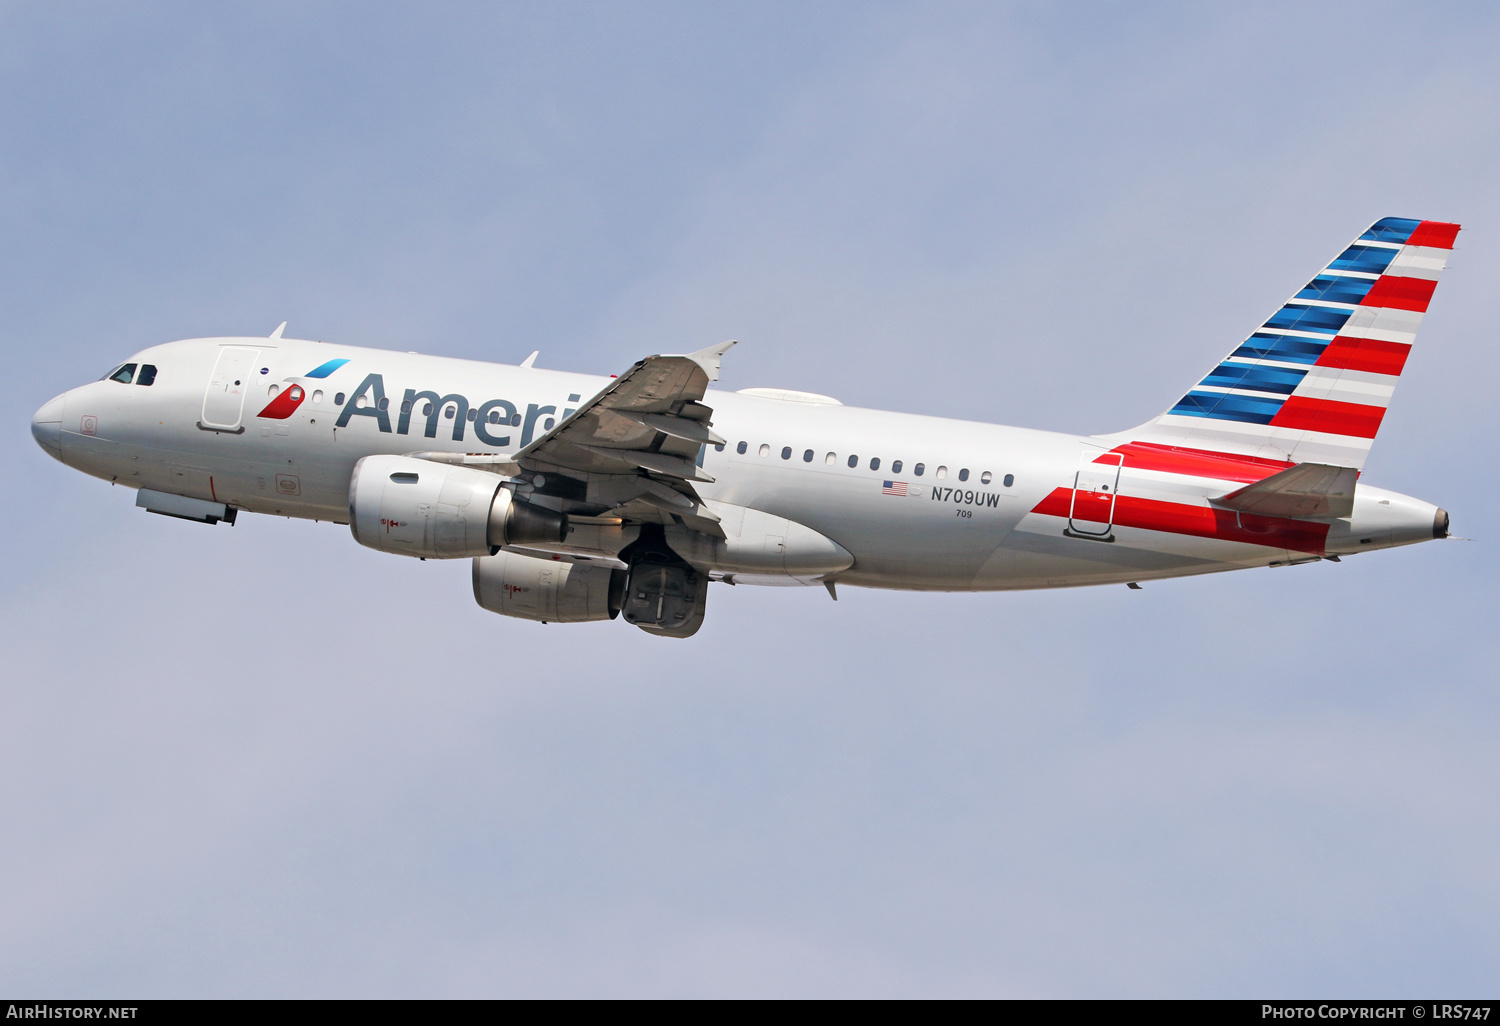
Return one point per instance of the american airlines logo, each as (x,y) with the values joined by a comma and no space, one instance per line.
(486,418)
(284,404)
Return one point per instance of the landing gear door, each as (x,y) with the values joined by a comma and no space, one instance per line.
(1095,486)
(224,402)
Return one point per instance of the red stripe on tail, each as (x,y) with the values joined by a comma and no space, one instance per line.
(1437,234)
(1400,293)
(1330,415)
(1365,354)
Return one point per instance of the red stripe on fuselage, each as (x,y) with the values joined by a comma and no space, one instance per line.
(1221,466)
(1437,234)
(1365,354)
(1329,415)
(1399,293)
(1197,521)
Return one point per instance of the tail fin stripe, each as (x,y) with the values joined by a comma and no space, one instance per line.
(1365,354)
(1434,233)
(1401,293)
(1364,259)
(1391,229)
(1386,323)
(1256,378)
(1309,318)
(1250,409)
(1353,386)
(1329,416)
(1288,348)
(1337,289)
(1419,262)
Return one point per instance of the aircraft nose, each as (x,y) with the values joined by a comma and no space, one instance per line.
(46,427)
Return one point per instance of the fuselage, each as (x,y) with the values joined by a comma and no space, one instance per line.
(920,502)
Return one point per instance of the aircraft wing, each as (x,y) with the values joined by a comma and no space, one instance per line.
(631,452)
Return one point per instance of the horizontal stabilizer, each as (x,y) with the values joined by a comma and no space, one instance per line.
(1306,490)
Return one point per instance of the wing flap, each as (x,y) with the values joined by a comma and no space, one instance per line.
(635,445)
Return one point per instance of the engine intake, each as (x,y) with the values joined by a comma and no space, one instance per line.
(438,511)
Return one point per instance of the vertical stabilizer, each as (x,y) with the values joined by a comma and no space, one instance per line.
(1312,384)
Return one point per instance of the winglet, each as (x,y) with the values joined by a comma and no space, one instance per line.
(279,329)
(709,358)
(532,358)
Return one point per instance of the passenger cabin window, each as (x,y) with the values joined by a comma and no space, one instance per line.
(765,450)
(963,475)
(830,459)
(124,374)
(918,469)
(338,399)
(472,414)
(147,375)
(449,412)
(273,390)
(942,472)
(807,456)
(385,404)
(786,452)
(494,415)
(853,462)
(986,477)
(896,467)
(719,447)
(318,397)
(874,462)
(1010,479)
(405,403)
(742,447)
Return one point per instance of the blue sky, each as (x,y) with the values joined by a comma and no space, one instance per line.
(264,761)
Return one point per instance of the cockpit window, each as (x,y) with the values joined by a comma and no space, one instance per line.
(148,374)
(124,374)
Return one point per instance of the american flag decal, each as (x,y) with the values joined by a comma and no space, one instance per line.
(894,488)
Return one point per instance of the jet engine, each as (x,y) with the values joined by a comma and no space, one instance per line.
(438,511)
(549,590)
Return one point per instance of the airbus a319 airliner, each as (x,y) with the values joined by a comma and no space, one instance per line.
(581,497)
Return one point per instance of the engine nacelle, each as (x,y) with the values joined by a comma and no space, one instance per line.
(550,590)
(439,511)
